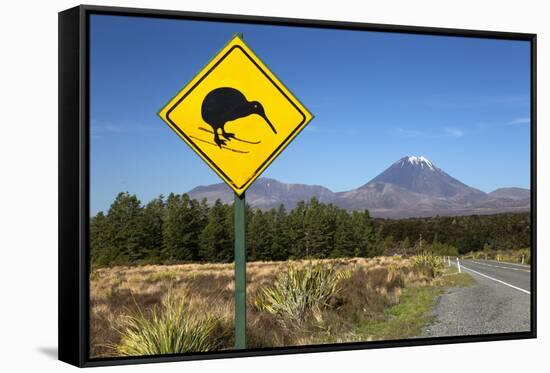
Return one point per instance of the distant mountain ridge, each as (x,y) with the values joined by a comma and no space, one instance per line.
(412,186)
(512,193)
(266,193)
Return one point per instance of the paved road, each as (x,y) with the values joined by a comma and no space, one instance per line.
(499,302)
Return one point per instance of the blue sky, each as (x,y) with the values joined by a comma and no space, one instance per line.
(461,102)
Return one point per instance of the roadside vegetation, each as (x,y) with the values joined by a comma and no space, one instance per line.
(409,317)
(520,256)
(154,309)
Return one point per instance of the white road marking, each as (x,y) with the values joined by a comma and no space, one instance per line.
(497,280)
(492,265)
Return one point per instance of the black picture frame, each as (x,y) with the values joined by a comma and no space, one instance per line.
(74,167)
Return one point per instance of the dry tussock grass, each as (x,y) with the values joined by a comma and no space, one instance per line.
(374,284)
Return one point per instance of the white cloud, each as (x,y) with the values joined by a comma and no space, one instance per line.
(524,120)
(454,132)
(409,133)
(99,129)
(319,129)
(447,132)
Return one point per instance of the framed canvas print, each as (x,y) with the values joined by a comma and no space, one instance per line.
(234,186)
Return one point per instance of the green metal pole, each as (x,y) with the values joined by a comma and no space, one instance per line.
(240,272)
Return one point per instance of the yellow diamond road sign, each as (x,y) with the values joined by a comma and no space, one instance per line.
(236,115)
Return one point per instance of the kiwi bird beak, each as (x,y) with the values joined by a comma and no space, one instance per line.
(268,122)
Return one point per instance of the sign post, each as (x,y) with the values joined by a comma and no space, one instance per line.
(240,268)
(238,117)
(240,271)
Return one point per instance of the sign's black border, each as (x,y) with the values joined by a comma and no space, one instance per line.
(74,175)
(213,164)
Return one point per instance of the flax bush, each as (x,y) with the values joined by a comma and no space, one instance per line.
(428,263)
(171,329)
(298,292)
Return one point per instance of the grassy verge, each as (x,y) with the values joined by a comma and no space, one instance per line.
(413,313)
(289,303)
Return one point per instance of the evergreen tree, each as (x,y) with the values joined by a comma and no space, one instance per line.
(388,245)
(153,222)
(261,236)
(182,228)
(100,247)
(227,254)
(203,212)
(250,249)
(125,229)
(215,240)
(344,242)
(365,235)
(280,244)
(317,230)
(406,245)
(296,231)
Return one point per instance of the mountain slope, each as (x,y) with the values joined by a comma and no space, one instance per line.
(266,193)
(412,186)
(511,193)
(420,175)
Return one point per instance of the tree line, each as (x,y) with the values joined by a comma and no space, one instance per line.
(180,229)
(505,231)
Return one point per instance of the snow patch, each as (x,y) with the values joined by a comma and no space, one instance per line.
(420,161)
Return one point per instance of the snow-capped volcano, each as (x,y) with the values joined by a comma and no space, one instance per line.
(412,186)
(420,175)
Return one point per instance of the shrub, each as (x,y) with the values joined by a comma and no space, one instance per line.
(439,248)
(172,329)
(512,256)
(428,263)
(526,253)
(298,292)
(395,278)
